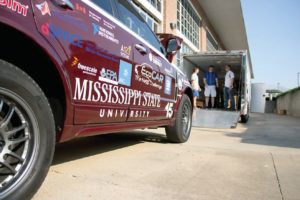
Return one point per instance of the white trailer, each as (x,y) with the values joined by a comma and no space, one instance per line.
(242,85)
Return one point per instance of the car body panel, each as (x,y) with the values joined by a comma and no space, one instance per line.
(110,85)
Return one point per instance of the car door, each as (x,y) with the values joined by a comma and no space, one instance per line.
(96,56)
(148,77)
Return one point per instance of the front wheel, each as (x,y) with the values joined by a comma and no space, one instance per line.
(245,118)
(181,130)
(27,134)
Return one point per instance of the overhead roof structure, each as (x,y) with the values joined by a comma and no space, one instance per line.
(226,16)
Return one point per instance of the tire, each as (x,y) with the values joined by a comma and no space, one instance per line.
(244,118)
(181,130)
(27,134)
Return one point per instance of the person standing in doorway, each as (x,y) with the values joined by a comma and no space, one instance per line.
(195,86)
(211,82)
(228,90)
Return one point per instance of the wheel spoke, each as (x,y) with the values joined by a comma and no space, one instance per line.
(17,141)
(15,130)
(185,119)
(9,167)
(15,156)
(1,105)
(8,117)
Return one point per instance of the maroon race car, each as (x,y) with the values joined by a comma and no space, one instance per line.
(74,68)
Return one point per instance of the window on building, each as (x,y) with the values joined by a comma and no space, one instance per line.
(133,20)
(153,24)
(188,22)
(185,49)
(211,43)
(156,4)
(105,5)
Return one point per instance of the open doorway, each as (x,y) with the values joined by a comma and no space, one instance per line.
(219,59)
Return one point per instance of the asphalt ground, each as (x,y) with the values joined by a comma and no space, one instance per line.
(260,160)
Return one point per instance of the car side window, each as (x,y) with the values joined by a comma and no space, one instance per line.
(132,19)
(105,5)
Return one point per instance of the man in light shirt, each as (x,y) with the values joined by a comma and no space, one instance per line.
(228,90)
(195,86)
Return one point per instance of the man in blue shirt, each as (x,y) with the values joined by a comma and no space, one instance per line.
(211,82)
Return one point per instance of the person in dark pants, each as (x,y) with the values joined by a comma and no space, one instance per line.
(228,89)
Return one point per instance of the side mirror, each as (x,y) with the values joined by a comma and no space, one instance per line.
(173,46)
(171,43)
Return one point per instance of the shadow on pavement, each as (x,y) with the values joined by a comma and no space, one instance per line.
(89,146)
(271,130)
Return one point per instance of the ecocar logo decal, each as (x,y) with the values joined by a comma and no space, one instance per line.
(44,8)
(15,6)
(145,74)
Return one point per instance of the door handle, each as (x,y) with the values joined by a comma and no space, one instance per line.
(66,4)
(141,48)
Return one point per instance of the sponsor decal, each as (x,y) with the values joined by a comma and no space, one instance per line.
(180,84)
(103,32)
(15,6)
(58,32)
(168,85)
(80,8)
(75,40)
(75,61)
(169,70)
(125,73)
(125,51)
(144,73)
(84,68)
(98,92)
(108,76)
(154,60)
(108,25)
(68,19)
(44,8)
(94,16)
(87,70)
(169,110)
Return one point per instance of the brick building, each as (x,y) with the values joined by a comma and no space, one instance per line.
(204,25)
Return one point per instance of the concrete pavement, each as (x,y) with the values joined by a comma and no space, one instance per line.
(260,160)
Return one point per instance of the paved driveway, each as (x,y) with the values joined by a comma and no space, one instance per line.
(258,161)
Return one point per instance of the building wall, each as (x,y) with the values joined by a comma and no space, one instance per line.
(168,15)
(289,103)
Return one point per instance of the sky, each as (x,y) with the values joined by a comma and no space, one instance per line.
(273,29)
